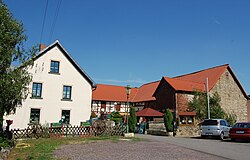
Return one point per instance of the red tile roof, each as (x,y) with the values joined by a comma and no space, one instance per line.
(149,112)
(180,85)
(145,92)
(112,93)
(213,75)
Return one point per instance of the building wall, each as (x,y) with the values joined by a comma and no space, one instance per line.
(248,110)
(51,104)
(232,98)
(165,96)
(182,100)
(109,107)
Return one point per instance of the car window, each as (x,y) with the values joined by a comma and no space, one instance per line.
(223,123)
(209,122)
(242,125)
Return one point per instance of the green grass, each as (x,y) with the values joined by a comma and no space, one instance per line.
(42,148)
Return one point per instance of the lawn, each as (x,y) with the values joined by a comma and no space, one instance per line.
(42,148)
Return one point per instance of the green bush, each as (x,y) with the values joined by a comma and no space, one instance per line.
(5,143)
(168,120)
(231,118)
(132,120)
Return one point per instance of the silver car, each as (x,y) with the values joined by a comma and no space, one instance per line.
(215,127)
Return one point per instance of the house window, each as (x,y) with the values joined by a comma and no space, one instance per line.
(67,92)
(54,66)
(186,120)
(34,115)
(37,90)
(65,116)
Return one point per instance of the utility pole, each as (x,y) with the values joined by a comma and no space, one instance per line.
(208,106)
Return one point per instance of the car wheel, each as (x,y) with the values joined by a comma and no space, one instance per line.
(222,136)
(233,139)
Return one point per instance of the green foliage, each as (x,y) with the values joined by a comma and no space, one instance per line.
(132,120)
(199,105)
(13,82)
(5,143)
(93,115)
(215,108)
(116,117)
(231,118)
(168,120)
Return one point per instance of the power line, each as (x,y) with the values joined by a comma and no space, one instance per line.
(44,17)
(54,20)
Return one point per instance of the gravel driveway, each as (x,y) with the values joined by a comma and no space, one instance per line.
(129,150)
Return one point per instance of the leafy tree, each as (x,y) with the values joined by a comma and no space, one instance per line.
(199,105)
(168,120)
(13,82)
(215,108)
(231,118)
(132,120)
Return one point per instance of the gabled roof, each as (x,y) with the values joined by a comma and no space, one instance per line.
(213,75)
(149,112)
(69,57)
(181,85)
(145,92)
(112,93)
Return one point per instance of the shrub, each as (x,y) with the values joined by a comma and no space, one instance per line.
(168,120)
(132,120)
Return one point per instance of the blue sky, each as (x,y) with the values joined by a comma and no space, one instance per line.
(138,41)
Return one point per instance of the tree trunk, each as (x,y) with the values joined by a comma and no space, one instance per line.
(1,120)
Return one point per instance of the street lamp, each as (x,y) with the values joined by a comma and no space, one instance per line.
(128,90)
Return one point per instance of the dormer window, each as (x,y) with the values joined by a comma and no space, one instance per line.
(54,66)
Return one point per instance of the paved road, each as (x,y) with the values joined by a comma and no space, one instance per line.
(226,149)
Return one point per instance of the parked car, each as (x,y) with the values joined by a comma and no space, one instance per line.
(215,128)
(240,130)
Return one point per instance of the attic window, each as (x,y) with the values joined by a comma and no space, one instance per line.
(54,66)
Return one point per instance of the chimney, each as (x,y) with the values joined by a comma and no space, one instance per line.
(41,47)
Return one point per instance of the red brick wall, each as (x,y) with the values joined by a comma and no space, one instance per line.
(182,102)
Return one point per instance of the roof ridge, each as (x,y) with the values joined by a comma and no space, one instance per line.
(201,70)
(149,83)
(183,80)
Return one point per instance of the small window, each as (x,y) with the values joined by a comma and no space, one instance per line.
(65,116)
(54,66)
(186,120)
(37,90)
(67,92)
(34,115)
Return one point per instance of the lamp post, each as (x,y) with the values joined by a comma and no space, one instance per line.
(128,90)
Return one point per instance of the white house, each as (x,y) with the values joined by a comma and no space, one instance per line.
(60,89)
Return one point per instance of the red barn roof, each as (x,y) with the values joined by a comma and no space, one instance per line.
(145,92)
(149,112)
(213,75)
(112,93)
(180,85)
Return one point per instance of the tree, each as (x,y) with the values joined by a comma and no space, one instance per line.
(168,120)
(132,120)
(199,105)
(13,81)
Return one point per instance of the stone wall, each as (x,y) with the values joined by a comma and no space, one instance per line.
(232,98)
(188,130)
(248,110)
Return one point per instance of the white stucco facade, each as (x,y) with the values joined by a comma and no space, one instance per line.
(51,103)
